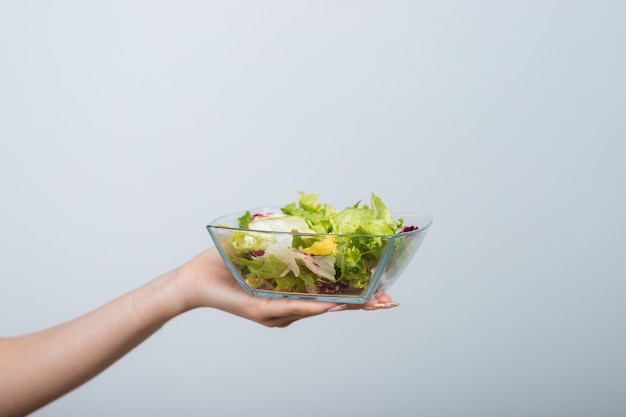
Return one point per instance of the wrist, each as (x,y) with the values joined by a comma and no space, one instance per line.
(200,280)
(159,300)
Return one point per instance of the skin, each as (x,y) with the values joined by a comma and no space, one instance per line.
(39,367)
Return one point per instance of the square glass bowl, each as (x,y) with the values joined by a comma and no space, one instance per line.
(361,265)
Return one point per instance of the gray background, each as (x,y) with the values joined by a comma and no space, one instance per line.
(126,126)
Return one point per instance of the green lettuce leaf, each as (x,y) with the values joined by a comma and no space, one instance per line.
(244,220)
(268,268)
(307,263)
(243,242)
(317,216)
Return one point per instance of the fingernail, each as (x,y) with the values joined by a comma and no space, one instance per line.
(340,307)
(380,306)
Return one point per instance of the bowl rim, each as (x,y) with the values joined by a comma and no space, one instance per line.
(215,224)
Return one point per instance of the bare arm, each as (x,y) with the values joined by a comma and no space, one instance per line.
(37,368)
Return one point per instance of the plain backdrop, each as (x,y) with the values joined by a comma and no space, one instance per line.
(126,126)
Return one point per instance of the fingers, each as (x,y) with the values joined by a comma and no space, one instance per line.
(282,322)
(379,302)
(374,306)
(383,298)
(283,313)
(380,306)
(294,308)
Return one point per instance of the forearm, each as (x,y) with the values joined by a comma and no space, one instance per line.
(40,367)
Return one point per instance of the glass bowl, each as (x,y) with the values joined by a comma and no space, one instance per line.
(359,267)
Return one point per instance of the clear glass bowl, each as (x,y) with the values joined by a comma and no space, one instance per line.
(359,274)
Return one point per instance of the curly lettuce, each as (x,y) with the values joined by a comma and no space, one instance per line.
(331,251)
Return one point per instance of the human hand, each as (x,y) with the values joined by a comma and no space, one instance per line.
(208,283)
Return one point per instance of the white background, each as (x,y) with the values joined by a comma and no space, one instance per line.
(126,126)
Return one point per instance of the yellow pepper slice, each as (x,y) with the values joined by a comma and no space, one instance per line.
(323,248)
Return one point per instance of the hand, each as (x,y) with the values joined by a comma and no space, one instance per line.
(211,284)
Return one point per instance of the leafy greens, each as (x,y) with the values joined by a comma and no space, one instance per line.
(325,251)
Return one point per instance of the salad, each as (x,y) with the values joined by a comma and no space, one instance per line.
(323,250)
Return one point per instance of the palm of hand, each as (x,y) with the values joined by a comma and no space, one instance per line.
(213,286)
